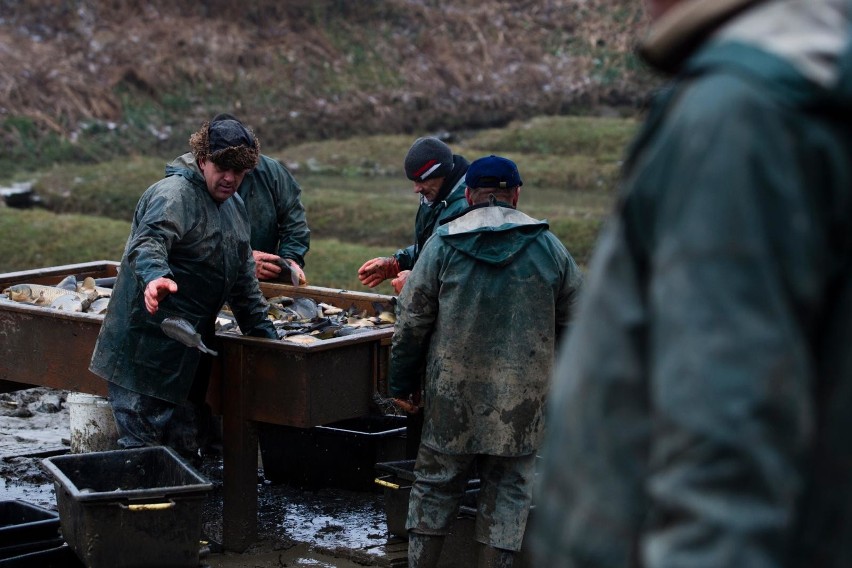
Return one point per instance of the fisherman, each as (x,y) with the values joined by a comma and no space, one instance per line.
(701,410)
(481,313)
(188,252)
(279,230)
(438,177)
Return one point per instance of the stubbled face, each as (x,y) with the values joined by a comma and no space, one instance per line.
(221,184)
(429,189)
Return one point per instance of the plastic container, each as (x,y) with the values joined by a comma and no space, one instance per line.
(341,455)
(22,523)
(57,556)
(92,423)
(136,508)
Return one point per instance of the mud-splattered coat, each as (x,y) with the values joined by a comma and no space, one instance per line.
(449,203)
(178,232)
(702,410)
(480,313)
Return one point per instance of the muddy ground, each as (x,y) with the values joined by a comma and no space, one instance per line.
(321,528)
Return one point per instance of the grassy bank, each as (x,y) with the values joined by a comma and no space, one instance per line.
(359,203)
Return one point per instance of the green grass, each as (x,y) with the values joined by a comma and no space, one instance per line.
(38,238)
(359,203)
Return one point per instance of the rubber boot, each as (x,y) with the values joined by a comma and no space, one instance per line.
(424,550)
(491,557)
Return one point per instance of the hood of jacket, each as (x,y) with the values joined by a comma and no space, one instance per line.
(185,166)
(810,35)
(494,234)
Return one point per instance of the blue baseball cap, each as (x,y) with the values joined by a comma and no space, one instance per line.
(493,171)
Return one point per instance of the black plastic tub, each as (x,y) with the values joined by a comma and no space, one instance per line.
(22,523)
(340,455)
(57,556)
(137,508)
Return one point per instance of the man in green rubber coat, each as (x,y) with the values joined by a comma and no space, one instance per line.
(187,254)
(279,229)
(700,414)
(438,177)
(477,324)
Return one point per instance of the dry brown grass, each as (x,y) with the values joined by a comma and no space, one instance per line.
(317,68)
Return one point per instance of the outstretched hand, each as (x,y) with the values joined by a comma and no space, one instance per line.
(156,291)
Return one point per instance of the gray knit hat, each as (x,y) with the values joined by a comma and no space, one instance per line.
(428,158)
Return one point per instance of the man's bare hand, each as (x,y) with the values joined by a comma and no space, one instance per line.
(156,291)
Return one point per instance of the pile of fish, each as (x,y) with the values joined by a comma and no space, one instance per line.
(304,320)
(69,295)
(297,320)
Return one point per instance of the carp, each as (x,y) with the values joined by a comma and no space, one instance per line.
(41,295)
(181,330)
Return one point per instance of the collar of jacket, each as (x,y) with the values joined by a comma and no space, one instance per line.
(683,28)
(460,165)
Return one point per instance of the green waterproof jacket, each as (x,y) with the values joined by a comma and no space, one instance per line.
(702,410)
(480,313)
(178,232)
(449,203)
(273,200)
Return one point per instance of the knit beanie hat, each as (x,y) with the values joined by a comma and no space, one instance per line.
(428,158)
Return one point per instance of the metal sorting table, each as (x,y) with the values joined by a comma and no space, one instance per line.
(253,380)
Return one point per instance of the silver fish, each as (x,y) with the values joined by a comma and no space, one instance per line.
(41,295)
(181,330)
(68,302)
(99,306)
(68,283)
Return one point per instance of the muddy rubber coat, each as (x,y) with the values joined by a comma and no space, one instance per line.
(701,412)
(178,232)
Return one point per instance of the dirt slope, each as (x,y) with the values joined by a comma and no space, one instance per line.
(307,69)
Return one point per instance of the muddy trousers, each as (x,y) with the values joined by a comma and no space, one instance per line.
(503,503)
(424,550)
(143,420)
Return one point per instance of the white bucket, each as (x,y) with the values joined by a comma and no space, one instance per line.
(92,423)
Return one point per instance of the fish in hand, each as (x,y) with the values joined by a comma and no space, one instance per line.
(181,330)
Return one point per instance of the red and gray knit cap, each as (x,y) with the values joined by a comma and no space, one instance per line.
(428,158)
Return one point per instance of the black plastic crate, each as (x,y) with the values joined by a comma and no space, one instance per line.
(56,556)
(22,523)
(136,508)
(340,455)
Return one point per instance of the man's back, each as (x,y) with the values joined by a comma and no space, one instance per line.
(494,286)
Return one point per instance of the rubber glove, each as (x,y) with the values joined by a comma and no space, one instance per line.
(400,280)
(156,290)
(375,271)
(266,265)
(410,405)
